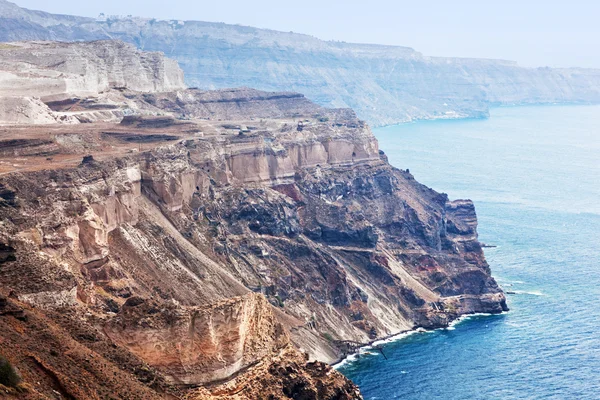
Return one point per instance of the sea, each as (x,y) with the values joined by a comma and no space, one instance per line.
(534,175)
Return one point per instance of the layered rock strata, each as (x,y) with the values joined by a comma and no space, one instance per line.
(218,244)
(36,77)
(161,241)
(193,345)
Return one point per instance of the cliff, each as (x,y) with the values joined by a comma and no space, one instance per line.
(384,84)
(35,75)
(162,242)
(214,244)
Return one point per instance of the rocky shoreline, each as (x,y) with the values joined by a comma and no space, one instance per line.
(401,335)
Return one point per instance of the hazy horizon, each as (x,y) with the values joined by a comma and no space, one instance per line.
(536,34)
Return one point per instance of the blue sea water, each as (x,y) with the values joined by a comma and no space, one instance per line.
(534,174)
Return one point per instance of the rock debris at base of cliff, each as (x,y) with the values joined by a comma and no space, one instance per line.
(163,242)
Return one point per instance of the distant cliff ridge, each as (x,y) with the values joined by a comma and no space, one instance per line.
(384,84)
(55,71)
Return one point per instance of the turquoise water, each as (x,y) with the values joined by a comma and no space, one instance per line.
(534,174)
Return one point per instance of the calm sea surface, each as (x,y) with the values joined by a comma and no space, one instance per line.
(534,174)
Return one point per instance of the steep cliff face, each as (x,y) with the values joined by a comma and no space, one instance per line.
(34,75)
(64,354)
(195,345)
(216,244)
(384,84)
(54,70)
(161,249)
(95,247)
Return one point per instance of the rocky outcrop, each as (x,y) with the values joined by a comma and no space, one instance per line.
(35,75)
(62,355)
(55,71)
(289,375)
(384,84)
(29,110)
(233,104)
(195,345)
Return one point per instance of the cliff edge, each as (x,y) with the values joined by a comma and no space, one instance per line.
(219,244)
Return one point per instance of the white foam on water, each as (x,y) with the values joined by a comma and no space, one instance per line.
(366,350)
(397,337)
(462,318)
(348,360)
(531,293)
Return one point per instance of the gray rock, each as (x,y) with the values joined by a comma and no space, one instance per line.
(383,84)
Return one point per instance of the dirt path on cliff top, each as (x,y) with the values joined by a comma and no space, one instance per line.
(97,143)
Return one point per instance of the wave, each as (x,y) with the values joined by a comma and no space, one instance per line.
(462,318)
(531,293)
(367,349)
(397,337)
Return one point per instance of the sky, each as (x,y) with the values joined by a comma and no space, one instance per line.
(532,32)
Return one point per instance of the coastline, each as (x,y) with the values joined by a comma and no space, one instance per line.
(476,358)
(351,357)
(491,106)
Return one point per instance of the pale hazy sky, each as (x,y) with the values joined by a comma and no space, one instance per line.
(532,32)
